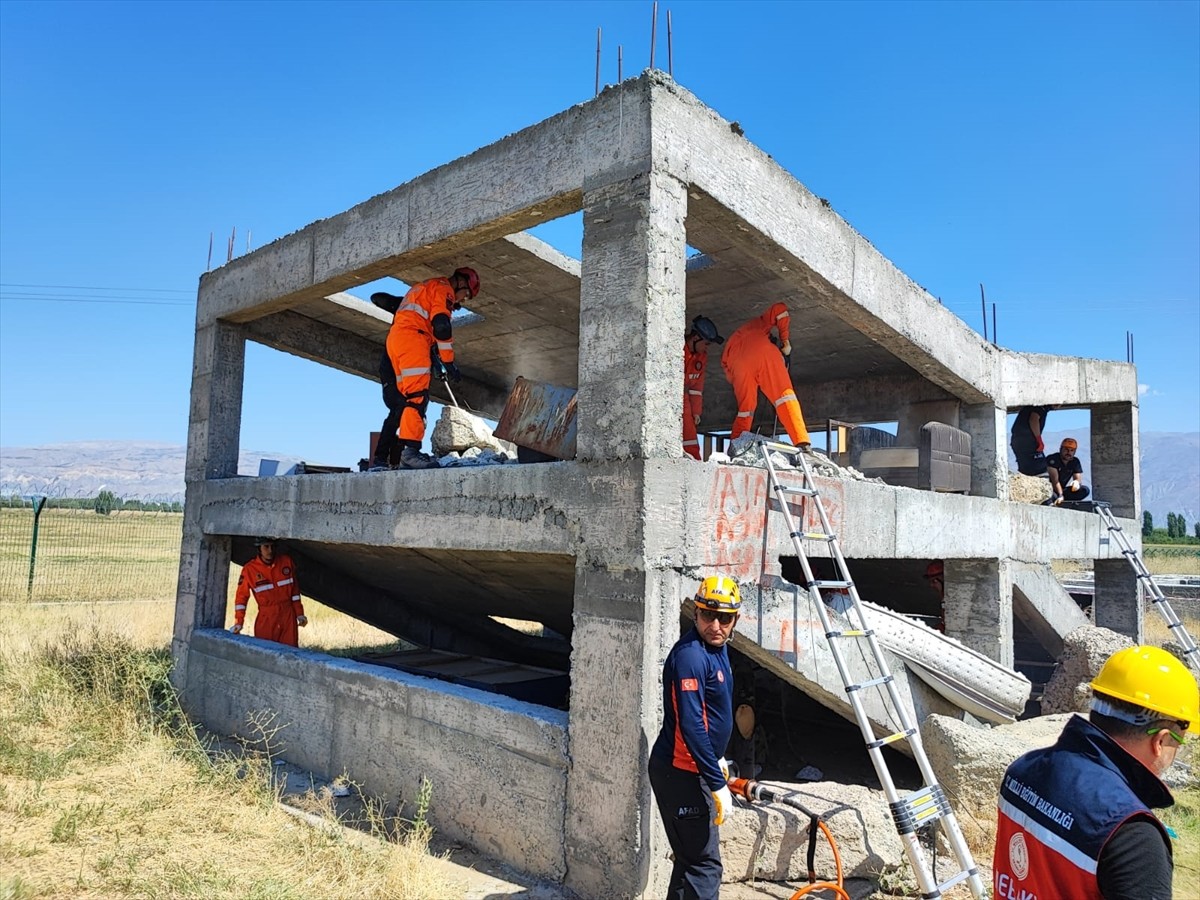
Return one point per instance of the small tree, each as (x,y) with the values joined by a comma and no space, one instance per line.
(1196,529)
(105,502)
(1181,526)
(1147,524)
(1170,524)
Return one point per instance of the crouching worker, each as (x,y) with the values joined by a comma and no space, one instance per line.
(271,578)
(1075,819)
(688,771)
(1065,473)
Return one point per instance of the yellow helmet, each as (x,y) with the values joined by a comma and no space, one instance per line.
(1152,679)
(719,593)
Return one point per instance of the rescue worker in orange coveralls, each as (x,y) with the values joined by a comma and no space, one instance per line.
(421,338)
(695,363)
(271,577)
(752,362)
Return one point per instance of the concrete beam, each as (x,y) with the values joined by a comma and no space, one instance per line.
(1039,379)
(763,210)
(526,178)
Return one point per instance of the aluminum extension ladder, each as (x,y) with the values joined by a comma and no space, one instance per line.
(1178,631)
(921,808)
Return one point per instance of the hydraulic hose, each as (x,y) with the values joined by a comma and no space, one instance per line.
(752,791)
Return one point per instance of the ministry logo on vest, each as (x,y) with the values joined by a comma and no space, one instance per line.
(1018,855)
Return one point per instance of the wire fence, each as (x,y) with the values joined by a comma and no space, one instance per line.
(56,549)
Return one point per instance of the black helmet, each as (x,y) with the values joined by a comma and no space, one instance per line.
(259,541)
(703,326)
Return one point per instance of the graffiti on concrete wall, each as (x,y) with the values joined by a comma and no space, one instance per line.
(745,541)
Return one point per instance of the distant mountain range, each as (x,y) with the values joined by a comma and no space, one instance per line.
(153,471)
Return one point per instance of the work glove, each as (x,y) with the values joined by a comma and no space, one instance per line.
(301,621)
(723,801)
(236,628)
(451,370)
(786,348)
(724,764)
(696,419)
(438,368)
(1041,447)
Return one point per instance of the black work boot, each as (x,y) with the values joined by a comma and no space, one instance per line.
(411,458)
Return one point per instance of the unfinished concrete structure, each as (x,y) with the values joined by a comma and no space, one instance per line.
(602,549)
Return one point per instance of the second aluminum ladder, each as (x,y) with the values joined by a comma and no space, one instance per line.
(1180,633)
(918,809)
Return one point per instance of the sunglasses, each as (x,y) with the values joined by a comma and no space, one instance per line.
(1180,739)
(723,618)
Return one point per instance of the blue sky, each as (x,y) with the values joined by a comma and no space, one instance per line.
(1050,151)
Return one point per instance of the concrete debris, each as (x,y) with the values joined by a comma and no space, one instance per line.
(473,456)
(747,451)
(769,842)
(1084,651)
(457,431)
(1027,488)
(970,761)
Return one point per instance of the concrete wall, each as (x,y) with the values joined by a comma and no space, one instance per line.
(498,767)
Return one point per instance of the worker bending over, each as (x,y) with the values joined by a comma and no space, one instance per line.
(1075,819)
(753,362)
(420,337)
(271,578)
(695,364)
(688,771)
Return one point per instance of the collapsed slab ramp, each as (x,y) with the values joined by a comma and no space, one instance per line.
(780,630)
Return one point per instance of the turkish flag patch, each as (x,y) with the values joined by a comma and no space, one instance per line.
(689,684)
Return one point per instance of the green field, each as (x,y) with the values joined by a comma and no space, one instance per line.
(81,555)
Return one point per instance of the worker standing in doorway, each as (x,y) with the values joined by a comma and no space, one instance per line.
(421,337)
(695,364)
(271,578)
(754,362)
(687,767)
(1075,819)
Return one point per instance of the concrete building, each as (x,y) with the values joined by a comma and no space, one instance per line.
(602,549)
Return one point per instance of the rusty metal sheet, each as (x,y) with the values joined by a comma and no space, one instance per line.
(540,417)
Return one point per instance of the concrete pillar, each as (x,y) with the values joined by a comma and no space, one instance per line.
(978,606)
(214,425)
(1117,604)
(1115,471)
(632,302)
(988,427)
(626,621)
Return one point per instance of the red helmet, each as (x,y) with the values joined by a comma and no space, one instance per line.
(934,570)
(472,278)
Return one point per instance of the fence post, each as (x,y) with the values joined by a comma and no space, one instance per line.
(39,504)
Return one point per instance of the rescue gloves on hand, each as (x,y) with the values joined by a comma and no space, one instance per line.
(236,628)
(301,621)
(723,801)
(451,370)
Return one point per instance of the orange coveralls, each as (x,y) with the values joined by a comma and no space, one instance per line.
(410,344)
(695,363)
(278,597)
(752,363)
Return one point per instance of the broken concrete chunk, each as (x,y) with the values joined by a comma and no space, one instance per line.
(458,430)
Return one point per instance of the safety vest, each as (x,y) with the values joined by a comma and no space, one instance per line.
(1059,806)
(695,364)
